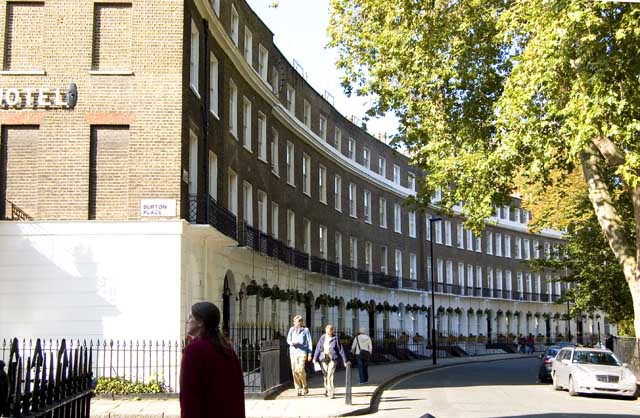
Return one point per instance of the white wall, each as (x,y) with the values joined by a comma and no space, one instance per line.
(90,279)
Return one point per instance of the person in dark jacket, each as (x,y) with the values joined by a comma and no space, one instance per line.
(211,379)
(328,352)
(4,389)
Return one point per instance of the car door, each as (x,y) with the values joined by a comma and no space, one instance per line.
(562,363)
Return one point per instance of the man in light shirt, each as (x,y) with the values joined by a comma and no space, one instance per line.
(300,349)
(361,343)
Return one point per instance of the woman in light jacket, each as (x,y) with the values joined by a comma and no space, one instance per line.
(328,351)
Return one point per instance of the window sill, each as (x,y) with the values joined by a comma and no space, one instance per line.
(233,135)
(114,72)
(214,114)
(275,174)
(383,226)
(23,72)
(353,216)
(247,149)
(324,202)
(262,160)
(307,194)
(367,221)
(338,210)
(291,185)
(195,91)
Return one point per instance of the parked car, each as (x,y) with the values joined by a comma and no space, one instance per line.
(544,372)
(592,370)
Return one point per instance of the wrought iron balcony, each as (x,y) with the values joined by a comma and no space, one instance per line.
(220,218)
(14,213)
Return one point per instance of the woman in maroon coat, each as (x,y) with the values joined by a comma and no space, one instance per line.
(211,380)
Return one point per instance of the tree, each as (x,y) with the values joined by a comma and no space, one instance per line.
(598,281)
(493,92)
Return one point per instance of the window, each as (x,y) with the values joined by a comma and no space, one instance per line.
(461,277)
(306,174)
(248,46)
(507,246)
(351,149)
(194,59)
(526,216)
(498,244)
(499,279)
(413,267)
(232,198)
(449,272)
(213,84)
(538,283)
(290,164)
(505,212)
(263,62)
(396,174)
(367,256)
(215,5)
(536,249)
(440,270)
(384,257)
(383,212)
(382,166)
(235,20)
(397,218)
(428,226)
(527,249)
(447,233)
(508,283)
(367,206)
(233,109)
(412,224)
(469,240)
(490,243)
(262,211)
(438,195)
(306,225)
(307,114)
(398,261)
(112,42)
(322,241)
(247,196)
(337,193)
(275,81)
(322,184)
(547,250)
(291,99)
(366,158)
(479,277)
(411,180)
(274,220)
(338,241)
(108,169)
(529,284)
(213,176)
(246,124)
(518,247)
(275,162)
(516,212)
(353,252)
(291,228)
(352,200)
(322,127)
(337,139)
(490,281)
(460,235)
(469,276)
(478,244)
(262,137)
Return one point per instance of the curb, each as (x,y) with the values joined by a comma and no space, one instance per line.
(377,393)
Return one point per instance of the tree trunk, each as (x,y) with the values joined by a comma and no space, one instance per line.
(626,251)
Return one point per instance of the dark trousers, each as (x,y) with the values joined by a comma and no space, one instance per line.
(363,369)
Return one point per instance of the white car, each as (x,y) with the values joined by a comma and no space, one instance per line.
(592,370)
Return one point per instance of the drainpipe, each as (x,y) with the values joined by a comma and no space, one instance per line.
(205,118)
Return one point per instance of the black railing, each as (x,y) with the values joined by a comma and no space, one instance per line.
(56,384)
(329,268)
(193,208)
(15,213)
(222,219)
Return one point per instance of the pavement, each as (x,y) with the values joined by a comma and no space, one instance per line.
(365,397)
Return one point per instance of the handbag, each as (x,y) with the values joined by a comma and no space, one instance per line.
(364,354)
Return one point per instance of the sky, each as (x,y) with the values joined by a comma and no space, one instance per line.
(300,32)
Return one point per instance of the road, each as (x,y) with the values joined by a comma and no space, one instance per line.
(505,389)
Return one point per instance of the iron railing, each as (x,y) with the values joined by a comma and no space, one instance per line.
(627,349)
(14,213)
(222,219)
(51,383)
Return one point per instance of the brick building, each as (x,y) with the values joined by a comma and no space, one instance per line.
(197,163)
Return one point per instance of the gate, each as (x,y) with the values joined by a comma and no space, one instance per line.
(45,386)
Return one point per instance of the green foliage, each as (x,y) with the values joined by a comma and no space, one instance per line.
(121,386)
(496,96)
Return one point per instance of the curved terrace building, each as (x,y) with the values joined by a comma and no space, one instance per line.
(198,164)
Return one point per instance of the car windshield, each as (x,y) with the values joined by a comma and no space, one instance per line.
(552,352)
(595,357)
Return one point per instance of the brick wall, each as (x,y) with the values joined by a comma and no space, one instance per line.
(144,95)
(19,164)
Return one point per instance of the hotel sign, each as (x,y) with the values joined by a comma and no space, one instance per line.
(39,97)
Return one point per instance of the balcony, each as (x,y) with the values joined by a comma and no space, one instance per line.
(14,213)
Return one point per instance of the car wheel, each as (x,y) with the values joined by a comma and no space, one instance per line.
(554,382)
(572,387)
